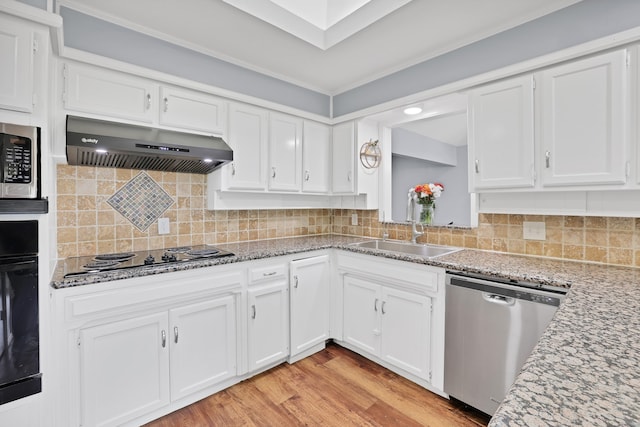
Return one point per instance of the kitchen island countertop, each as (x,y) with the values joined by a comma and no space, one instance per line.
(585,369)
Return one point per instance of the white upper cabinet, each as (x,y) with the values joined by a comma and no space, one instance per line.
(501,144)
(343,159)
(285,152)
(248,137)
(191,110)
(583,121)
(17,59)
(316,148)
(107,93)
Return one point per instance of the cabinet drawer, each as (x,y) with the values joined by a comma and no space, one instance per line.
(401,274)
(268,272)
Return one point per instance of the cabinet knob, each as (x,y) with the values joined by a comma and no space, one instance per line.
(175,334)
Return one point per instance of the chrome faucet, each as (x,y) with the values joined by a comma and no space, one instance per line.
(411,215)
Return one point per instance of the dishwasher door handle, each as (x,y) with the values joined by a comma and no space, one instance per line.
(498,299)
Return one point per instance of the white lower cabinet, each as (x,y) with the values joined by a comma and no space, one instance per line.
(132,367)
(309,305)
(392,324)
(124,370)
(268,311)
(203,345)
(393,313)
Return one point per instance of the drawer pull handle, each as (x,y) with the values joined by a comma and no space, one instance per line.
(273,172)
(382,307)
(233,169)
(547,158)
(175,334)
(148,101)
(295,281)
(477,166)
(375,305)
(166,104)
(253,313)
(271,273)
(163,335)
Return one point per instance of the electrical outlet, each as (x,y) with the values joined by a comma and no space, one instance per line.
(163,225)
(533,230)
(354,219)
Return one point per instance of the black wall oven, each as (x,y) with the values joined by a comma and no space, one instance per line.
(19,327)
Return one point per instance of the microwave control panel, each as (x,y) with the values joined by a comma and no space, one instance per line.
(17,159)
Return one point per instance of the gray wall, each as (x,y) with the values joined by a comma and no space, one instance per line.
(453,206)
(103,38)
(411,144)
(576,24)
(40,4)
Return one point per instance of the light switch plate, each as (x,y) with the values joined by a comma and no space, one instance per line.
(533,230)
(163,225)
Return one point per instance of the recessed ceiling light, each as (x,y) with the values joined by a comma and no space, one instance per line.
(412,111)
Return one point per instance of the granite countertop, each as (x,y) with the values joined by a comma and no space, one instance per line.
(585,369)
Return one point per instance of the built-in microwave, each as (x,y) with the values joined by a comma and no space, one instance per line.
(19,161)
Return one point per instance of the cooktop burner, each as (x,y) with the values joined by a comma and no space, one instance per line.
(202,252)
(114,257)
(119,261)
(99,264)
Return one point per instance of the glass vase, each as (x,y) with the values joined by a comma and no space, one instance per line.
(426,214)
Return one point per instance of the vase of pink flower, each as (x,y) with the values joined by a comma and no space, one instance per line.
(426,195)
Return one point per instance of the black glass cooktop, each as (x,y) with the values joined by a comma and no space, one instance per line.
(118,261)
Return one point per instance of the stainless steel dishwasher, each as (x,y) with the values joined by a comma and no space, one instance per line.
(491,327)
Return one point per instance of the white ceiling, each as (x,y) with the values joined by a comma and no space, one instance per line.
(416,31)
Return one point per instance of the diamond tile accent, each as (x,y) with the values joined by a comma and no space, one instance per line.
(142,201)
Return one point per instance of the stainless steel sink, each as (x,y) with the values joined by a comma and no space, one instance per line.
(427,251)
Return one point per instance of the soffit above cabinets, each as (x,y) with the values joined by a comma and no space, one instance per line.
(399,34)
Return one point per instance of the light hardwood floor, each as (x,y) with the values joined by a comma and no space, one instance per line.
(335,387)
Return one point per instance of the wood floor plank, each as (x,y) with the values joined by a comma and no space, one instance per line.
(335,387)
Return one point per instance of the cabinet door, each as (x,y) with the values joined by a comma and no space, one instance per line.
(124,369)
(268,324)
(16,72)
(285,153)
(583,118)
(315,157)
(309,303)
(362,301)
(406,331)
(191,110)
(343,159)
(108,93)
(248,137)
(203,345)
(501,145)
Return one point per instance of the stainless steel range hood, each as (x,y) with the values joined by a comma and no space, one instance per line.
(92,142)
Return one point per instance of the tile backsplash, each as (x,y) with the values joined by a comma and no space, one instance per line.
(88,224)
